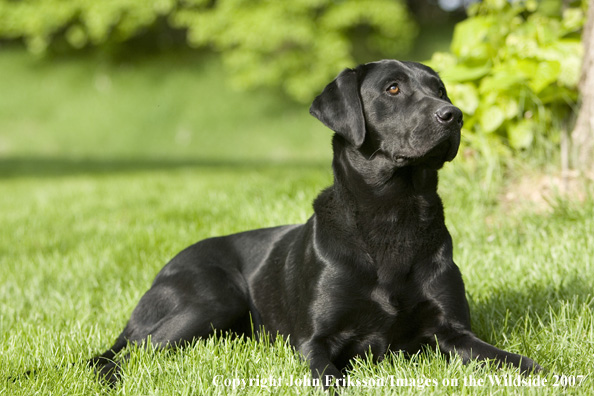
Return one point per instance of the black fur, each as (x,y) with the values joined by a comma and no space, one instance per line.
(372,268)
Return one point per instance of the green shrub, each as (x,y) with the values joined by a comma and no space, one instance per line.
(298,45)
(513,70)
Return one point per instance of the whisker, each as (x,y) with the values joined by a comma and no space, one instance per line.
(374,153)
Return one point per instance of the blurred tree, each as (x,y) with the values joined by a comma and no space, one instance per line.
(583,132)
(298,45)
(80,22)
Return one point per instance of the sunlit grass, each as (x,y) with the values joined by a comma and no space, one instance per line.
(173,105)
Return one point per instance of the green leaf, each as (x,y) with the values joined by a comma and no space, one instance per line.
(573,20)
(491,119)
(526,67)
(546,74)
(500,82)
(521,134)
(441,62)
(496,4)
(465,96)
(568,53)
(463,72)
(510,106)
(469,39)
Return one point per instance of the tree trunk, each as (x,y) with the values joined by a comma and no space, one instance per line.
(583,132)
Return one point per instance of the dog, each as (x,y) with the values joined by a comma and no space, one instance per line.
(372,268)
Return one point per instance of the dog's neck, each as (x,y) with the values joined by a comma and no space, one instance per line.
(390,207)
(378,182)
(393,196)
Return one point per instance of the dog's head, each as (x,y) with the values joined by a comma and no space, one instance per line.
(399,110)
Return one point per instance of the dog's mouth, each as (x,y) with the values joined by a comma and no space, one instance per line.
(443,152)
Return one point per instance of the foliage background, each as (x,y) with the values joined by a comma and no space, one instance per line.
(512,66)
(513,69)
(296,45)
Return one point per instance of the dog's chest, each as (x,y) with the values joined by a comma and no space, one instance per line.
(385,325)
(385,301)
(396,250)
(395,319)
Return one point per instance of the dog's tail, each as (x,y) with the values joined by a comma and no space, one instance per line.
(105,365)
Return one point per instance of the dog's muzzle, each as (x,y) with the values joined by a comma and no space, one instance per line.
(449,116)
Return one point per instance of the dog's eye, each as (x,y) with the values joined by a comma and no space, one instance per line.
(393,89)
(441,93)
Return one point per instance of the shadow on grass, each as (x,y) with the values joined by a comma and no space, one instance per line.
(541,304)
(15,167)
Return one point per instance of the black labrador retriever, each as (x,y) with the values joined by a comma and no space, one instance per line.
(371,270)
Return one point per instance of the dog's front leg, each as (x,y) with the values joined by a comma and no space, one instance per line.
(327,372)
(468,346)
(320,364)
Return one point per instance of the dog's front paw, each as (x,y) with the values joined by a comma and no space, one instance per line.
(529,366)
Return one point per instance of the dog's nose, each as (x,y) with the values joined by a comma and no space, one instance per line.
(449,114)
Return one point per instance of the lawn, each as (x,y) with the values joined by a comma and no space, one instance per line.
(109,168)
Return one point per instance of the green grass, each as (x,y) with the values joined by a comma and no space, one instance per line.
(99,188)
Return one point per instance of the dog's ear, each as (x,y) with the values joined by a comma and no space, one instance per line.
(339,108)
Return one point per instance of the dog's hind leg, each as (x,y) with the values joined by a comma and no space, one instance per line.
(180,306)
(184,306)
(105,365)
(110,353)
